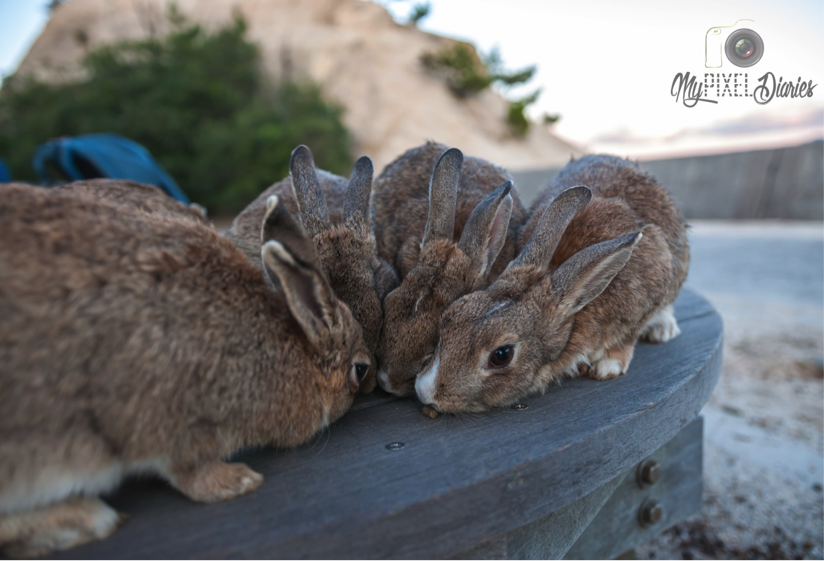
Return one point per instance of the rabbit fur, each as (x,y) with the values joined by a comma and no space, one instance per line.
(599,267)
(140,342)
(336,214)
(138,196)
(449,224)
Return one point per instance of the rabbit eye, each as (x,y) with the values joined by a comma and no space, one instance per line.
(360,371)
(501,356)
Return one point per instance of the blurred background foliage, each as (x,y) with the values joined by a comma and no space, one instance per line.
(466,74)
(420,11)
(196,99)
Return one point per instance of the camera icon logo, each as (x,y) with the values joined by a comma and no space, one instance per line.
(743,47)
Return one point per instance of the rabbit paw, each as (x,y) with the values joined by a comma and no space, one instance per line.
(662,327)
(606,369)
(218,481)
(37,533)
(611,363)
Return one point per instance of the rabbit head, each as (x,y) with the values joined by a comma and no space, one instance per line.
(347,251)
(445,271)
(497,345)
(288,255)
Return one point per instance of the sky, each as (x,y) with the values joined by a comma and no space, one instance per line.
(607,67)
(20,24)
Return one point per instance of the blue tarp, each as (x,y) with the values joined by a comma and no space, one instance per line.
(103,155)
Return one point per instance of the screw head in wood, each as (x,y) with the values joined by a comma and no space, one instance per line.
(649,472)
(395,445)
(650,512)
(520,406)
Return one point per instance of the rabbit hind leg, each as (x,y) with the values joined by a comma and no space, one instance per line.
(63,525)
(662,327)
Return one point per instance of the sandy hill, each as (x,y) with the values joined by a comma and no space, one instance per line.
(362,58)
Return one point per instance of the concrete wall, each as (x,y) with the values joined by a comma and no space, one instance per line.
(783,183)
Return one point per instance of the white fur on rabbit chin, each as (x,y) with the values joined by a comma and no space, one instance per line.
(425,383)
(384,381)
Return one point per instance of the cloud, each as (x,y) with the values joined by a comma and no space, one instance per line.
(622,135)
(751,124)
(766,122)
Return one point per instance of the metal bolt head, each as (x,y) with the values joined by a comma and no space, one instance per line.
(520,406)
(650,512)
(649,472)
(395,445)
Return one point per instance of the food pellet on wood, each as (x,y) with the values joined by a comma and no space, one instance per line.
(429,412)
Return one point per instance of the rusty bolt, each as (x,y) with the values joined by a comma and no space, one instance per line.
(649,472)
(650,512)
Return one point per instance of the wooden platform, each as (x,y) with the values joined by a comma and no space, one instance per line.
(387,482)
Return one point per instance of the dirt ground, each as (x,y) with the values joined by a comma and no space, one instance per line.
(763,424)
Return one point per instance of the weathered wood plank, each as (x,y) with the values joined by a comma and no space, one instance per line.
(616,528)
(456,482)
(492,549)
(552,536)
(605,523)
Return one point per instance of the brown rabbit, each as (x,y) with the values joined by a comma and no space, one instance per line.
(336,214)
(448,224)
(139,196)
(143,343)
(591,279)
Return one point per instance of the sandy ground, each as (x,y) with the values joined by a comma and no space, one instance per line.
(763,468)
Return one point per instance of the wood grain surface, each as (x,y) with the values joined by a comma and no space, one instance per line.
(616,529)
(456,482)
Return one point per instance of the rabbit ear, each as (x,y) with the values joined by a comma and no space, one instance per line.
(308,295)
(585,275)
(386,279)
(485,231)
(279,224)
(356,203)
(541,246)
(443,196)
(308,192)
